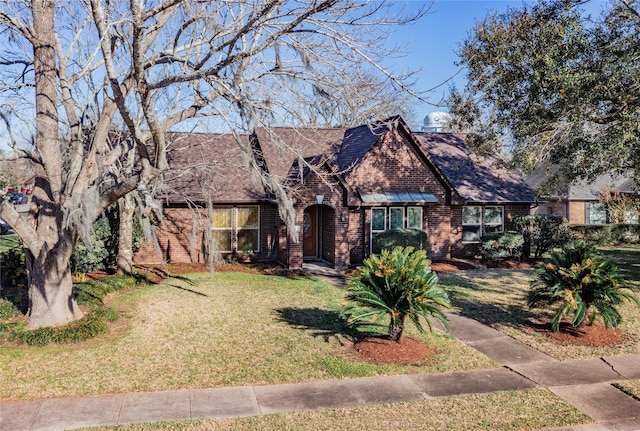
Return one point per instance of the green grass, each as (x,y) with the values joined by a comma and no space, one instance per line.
(496,297)
(500,411)
(235,329)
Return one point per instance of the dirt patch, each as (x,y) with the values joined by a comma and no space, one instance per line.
(593,336)
(383,351)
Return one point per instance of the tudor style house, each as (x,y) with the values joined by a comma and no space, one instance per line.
(345,186)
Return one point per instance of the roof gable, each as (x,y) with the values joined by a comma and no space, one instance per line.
(475,178)
(282,146)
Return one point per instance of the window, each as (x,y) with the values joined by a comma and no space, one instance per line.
(471,224)
(221,228)
(596,213)
(248,224)
(474,225)
(378,219)
(631,217)
(414,218)
(236,228)
(396,218)
(493,219)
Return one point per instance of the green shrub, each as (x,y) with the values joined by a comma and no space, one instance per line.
(396,284)
(8,310)
(393,238)
(541,233)
(502,245)
(580,282)
(608,234)
(102,253)
(13,278)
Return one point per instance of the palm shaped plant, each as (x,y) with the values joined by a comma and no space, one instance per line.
(396,284)
(580,282)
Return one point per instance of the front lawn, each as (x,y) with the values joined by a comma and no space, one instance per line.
(236,329)
(496,297)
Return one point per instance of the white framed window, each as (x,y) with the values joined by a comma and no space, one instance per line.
(471,224)
(414,218)
(221,228)
(596,213)
(378,220)
(493,219)
(396,218)
(631,217)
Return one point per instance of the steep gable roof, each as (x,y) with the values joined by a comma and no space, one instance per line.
(357,142)
(210,165)
(280,147)
(477,179)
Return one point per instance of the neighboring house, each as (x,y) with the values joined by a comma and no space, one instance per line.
(580,202)
(364,180)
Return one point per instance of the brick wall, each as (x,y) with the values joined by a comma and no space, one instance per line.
(394,165)
(181,236)
(577,212)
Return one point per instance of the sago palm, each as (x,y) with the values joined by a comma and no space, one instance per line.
(398,283)
(580,282)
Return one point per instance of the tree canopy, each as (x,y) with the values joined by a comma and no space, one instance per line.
(556,87)
(90,88)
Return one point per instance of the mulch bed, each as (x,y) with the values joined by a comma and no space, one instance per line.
(383,351)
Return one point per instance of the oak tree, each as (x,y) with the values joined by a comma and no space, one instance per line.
(92,82)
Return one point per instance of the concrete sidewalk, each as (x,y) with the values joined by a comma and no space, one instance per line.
(587,384)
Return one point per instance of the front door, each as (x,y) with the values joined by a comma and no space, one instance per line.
(310,232)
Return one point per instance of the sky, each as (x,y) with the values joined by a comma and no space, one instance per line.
(432,43)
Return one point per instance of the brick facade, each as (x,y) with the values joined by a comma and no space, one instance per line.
(393,161)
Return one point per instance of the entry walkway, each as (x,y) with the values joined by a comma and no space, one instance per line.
(587,384)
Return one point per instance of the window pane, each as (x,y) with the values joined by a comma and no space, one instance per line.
(493,215)
(248,217)
(223,238)
(222,218)
(493,228)
(597,213)
(471,233)
(414,218)
(471,215)
(396,218)
(377,219)
(248,239)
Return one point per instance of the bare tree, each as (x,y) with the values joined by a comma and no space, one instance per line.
(79,70)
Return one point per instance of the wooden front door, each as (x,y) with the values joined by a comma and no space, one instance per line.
(310,232)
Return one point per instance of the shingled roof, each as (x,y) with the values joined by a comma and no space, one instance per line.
(357,142)
(478,179)
(205,165)
(282,146)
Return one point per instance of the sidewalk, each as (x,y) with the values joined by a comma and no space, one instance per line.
(587,384)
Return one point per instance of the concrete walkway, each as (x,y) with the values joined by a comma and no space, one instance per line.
(587,384)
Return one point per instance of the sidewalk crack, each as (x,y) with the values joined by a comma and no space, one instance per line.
(613,368)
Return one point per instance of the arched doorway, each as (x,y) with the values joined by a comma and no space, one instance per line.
(318,233)
(310,233)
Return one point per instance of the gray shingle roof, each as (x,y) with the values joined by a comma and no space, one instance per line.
(476,178)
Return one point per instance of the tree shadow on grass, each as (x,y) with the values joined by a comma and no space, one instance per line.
(514,316)
(321,323)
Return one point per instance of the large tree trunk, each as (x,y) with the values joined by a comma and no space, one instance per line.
(51,300)
(124,261)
